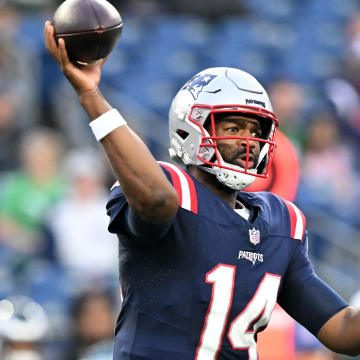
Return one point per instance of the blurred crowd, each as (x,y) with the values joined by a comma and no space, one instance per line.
(58,263)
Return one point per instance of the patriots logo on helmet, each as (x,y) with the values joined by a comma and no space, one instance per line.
(196,84)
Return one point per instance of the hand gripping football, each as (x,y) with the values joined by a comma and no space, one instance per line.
(90,28)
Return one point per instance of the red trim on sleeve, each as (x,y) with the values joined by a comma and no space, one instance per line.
(193,196)
(293,218)
(184,186)
(175,180)
(304,224)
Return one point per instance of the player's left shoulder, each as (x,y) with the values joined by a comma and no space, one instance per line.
(285,217)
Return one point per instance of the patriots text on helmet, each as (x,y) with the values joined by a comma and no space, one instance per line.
(256,102)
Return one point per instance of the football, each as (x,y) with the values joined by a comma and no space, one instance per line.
(91,29)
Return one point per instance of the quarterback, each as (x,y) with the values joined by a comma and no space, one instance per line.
(203,263)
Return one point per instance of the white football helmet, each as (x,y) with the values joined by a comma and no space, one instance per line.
(213,91)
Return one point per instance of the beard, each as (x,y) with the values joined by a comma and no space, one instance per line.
(232,156)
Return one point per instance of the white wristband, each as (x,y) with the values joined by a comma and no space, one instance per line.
(106,123)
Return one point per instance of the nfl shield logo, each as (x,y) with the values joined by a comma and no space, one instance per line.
(254,236)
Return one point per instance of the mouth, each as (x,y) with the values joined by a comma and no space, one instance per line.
(241,161)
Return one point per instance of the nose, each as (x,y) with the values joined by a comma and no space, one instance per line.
(244,141)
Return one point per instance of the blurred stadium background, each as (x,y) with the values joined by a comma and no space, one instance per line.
(54,248)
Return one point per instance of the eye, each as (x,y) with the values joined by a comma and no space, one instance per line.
(232,129)
(256,134)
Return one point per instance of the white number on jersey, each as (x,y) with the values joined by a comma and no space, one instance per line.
(242,329)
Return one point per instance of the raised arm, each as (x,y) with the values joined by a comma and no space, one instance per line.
(341,333)
(144,184)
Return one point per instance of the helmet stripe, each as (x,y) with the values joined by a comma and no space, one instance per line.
(297,221)
(184,186)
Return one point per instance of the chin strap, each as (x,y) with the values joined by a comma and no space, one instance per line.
(234,179)
(230,178)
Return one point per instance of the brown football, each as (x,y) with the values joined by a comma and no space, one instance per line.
(90,28)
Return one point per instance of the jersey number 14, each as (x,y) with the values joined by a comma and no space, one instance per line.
(243,328)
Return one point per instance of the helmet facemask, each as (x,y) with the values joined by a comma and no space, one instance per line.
(232,175)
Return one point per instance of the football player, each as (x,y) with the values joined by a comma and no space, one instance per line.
(202,263)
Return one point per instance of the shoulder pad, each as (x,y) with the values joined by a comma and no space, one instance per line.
(284,217)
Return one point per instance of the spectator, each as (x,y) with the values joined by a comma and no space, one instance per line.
(14,74)
(8,50)
(29,192)
(78,223)
(9,130)
(344,91)
(287,98)
(93,315)
(328,171)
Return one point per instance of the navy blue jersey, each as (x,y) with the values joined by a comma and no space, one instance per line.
(204,288)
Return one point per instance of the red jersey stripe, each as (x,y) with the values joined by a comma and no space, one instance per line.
(175,181)
(184,185)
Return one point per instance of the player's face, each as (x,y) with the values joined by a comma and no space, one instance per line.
(234,151)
